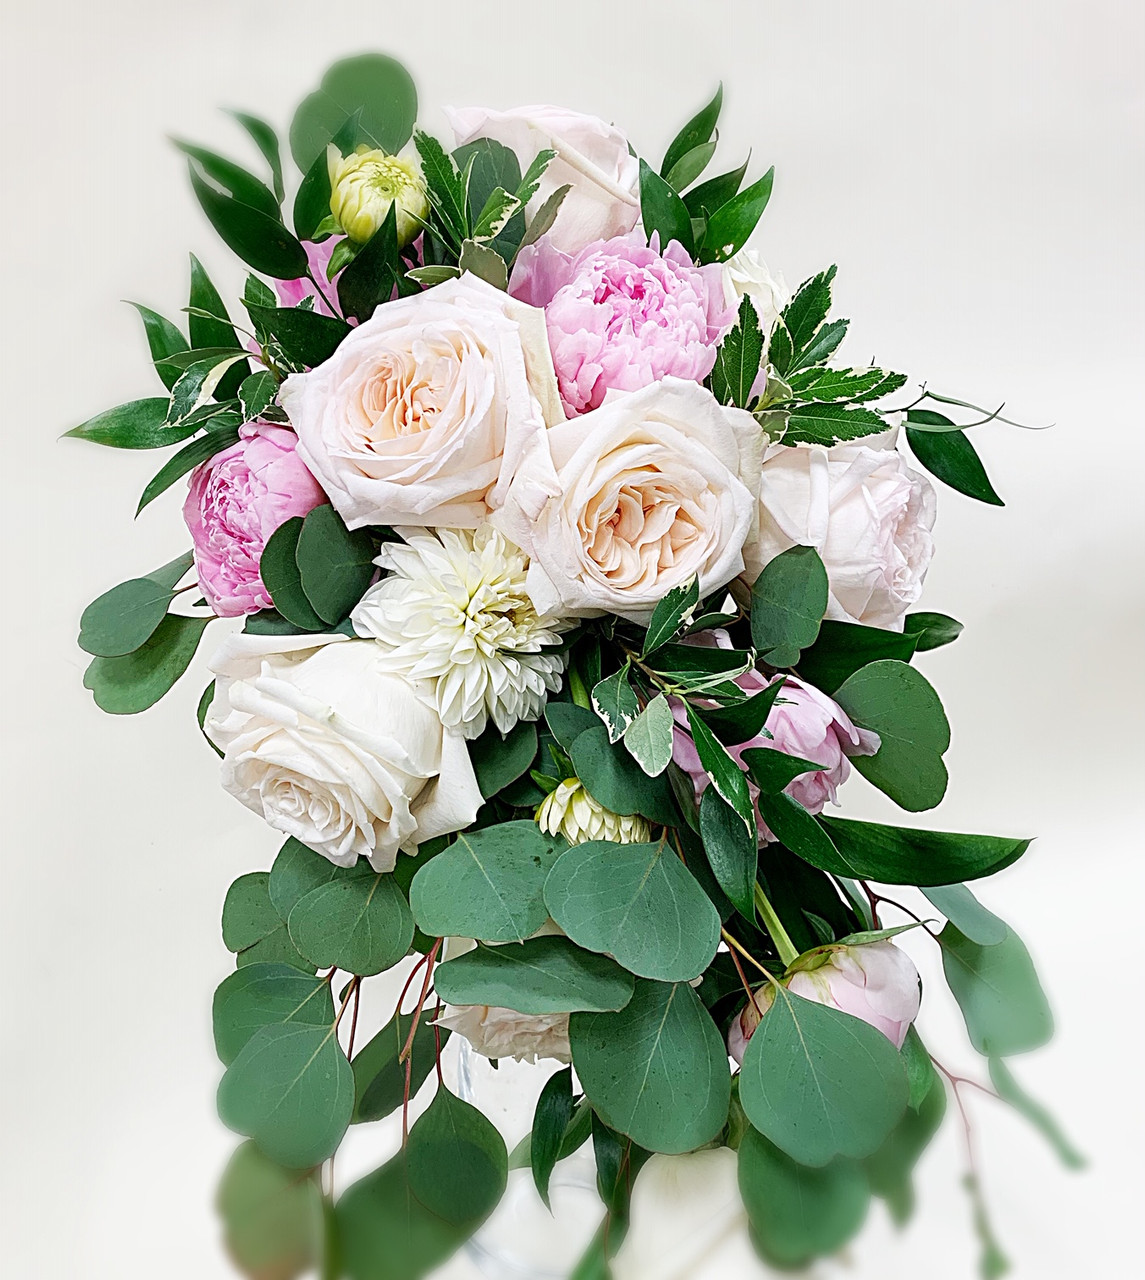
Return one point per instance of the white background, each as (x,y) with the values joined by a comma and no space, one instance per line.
(975,170)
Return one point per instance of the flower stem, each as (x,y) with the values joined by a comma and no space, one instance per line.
(774,926)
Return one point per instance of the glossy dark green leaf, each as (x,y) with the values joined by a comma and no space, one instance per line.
(308,337)
(260,995)
(292,1091)
(663,212)
(488,884)
(637,902)
(273,1221)
(266,140)
(951,458)
(820,1083)
(905,855)
(139,424)
(998,991)
(373,85)
(738,358)
(187,459)
(672,613)
(312,200)
(798,1213)
(493,166)
(773,770)
(122,619)
(253,930)
(456,1161)
(615,701)
(379,1073)
(135,681)
(731,224)
(842,648)
(334,563)
(967,914)
(726,775)
(359,923)
(539,976)
(282,577)
(206,333)
(163,339)
(699,667)
(900,705)
(1010,1091)
(617,782)
(790,822)
(262,242)
(745,720)
(931,630)
(638,1064)
(375,272)
(714,193)
(690,165)
(732,849)
(695,133)
(235,181)
(550,1120)
(204,706)
(499,759)
(788,602)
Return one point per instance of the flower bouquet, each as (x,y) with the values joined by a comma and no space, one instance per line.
(571,576)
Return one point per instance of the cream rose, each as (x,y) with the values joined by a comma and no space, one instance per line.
(620,505)
(864,510)
(746,275)
(329,748)
(592,157)
(422,413)
(505,1033)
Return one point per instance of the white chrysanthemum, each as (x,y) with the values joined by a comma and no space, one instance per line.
(571,812)
(454,613)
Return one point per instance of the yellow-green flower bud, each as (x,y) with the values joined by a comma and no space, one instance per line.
(571,812)
(365,184)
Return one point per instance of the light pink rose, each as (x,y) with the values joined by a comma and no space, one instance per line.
(236,501)
(422,414)
(621,315)
(864,510)
(874,981)
(592,158)
(292,292)
(803,722)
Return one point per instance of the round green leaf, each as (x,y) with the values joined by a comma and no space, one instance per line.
(637,902)
(456,1161)
(901,706)
(137,680)
(616,781)
(126,616)
(260,995)
(488,884)
(967,914)
(335,564)
(272,1219)
(280,574)
(362,924)
(252,929)
(798,1214)
(298,869)
(788,602)
(820,1083)
(658,1070)
(292,1091)
(379,1073)
(541,975)
(499,759)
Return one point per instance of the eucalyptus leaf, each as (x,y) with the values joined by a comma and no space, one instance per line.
(335,564)
(359,923)
(788,602)
(456,1161)
(253,930)
(273,1222)
(122,619)
(617,782)
(282,577)
(1010,1091)
(379,1072)
(135,681)
(998,991)
(261,995)
(967,914)
(500,759)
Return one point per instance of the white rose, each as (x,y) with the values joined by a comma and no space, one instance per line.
(504,1033)
(329,748)
(867,514)
(746,276)
(421,414)
(592,156)
(620,505)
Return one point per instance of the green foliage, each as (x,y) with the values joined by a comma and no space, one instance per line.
(539,976)
(550,1123)
(727,777)
(357,921)
(636,1065)
(125,617)
(488,884)
(493,169)
(714,193)
(446,186)
(615,701)
(220,435)
(798,1213)
(998,991)
(379,1073)
(373,87)
(637,902)
(376,271)
(312,200)
(262,995)
(745,720)
(820,1083)
(140,424)
(772,771)
(616,781)
(252,929)
(273,1221)
(292,1091)
(134,681)
(901,706)
(307,338)
(499,759)
(282,577)
(967,914)
(853,386)
(889,1169)
(842,648)
(788,602)
(690,165)
(261,241)
(545,216)
(485,263)
(209,327)
(731,224)
(905,855)
(696,133)
(335,564)
(235,181)
(1010,1091)
(732,849)
(951,458)
(673,612)
(649,737)
(828,424)
(738,358)
(257,394)
(456,1161)
(931,630)
(163,340)
(267,142)
(663,212)
(567,722)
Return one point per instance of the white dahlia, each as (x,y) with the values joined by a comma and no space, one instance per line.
(455,615)
(571,812)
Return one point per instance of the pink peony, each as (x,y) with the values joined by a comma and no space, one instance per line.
(803,722)
(236,501)
(874,981)
(621,315)
(292,292)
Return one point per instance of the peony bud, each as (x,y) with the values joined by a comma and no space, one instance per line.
(874,981)
(365,184)
(571,812)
